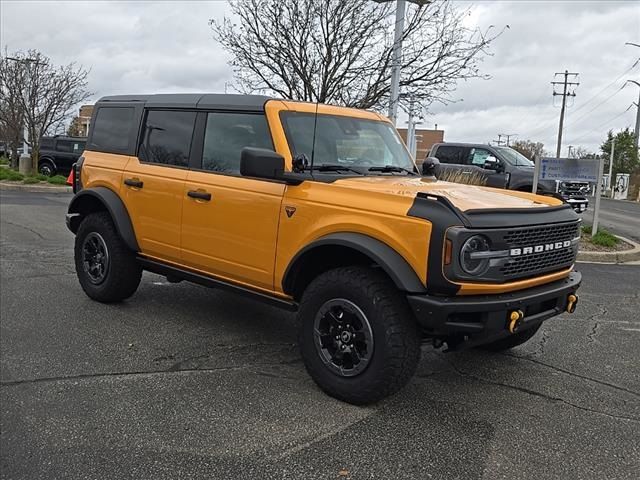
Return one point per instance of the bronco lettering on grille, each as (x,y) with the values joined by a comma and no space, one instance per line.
(514,252)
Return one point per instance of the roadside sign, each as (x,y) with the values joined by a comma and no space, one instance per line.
(569,169)
(621,187)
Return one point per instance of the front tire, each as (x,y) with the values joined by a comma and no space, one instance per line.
(106,268)
(358,338)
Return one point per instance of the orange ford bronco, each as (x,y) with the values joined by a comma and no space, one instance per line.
(320,210)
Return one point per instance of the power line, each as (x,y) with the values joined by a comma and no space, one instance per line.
(597,106)
(581,106)
(575,140)
(548,124)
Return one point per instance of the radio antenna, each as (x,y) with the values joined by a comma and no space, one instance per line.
(313,144)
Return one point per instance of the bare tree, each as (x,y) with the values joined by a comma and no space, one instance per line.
(528,148)
(337,51)
(11,116)
(46,94)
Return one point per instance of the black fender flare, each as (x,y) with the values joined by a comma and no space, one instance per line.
(393,264)
(49,160)
(84,203)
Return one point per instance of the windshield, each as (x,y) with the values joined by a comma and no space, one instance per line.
(514,157)
(354,143)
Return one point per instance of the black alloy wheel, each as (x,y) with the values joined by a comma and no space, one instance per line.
(95,258)
(344,338)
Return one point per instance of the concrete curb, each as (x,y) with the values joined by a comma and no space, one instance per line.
(35,188)
(624,256)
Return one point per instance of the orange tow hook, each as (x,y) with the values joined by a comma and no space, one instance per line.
(515,318)
(572,301)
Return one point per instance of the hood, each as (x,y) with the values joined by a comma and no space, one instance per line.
(464,197)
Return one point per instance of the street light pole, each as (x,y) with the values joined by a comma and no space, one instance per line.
(637,129)
(396,61)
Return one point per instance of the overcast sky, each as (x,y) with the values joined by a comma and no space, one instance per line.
(167,46)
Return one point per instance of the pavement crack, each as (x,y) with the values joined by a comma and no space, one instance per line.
(573,374)
(26,228)
(592,334)
(540,394)
(90,376)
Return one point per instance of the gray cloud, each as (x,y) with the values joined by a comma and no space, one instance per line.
(167,46)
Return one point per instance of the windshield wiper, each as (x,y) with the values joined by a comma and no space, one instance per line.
(330,167)
(391,168)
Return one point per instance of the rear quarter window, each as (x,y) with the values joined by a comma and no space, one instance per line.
(450,154)
(112,129)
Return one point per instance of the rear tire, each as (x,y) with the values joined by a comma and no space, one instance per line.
(374,324)
(45,167)
(512,341)
(106,268)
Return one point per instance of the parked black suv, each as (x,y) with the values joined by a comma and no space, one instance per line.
(502,167)
(59,153)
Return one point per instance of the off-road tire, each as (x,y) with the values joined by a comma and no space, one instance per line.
(396,338)
(513,340)
(124,272)
(45,167)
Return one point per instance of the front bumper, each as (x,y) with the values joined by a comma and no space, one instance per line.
(482,319)
(579,204)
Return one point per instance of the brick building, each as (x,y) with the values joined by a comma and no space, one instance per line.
(80,124)
(426,138)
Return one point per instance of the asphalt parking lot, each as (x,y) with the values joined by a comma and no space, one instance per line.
(186,382)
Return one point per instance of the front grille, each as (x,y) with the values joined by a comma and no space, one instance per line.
(540,235)
(531,264)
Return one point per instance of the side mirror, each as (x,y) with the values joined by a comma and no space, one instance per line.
(261,163)
(491,163)
(429,166)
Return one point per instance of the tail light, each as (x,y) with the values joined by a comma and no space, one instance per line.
(76,174)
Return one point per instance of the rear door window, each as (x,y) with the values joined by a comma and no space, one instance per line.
(111,129)
(166,137)
(64,146)
(450,154)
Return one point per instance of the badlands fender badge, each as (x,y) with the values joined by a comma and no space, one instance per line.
(289,210)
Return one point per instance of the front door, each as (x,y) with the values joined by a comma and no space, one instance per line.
(477,163)
(230,222)
(153,186)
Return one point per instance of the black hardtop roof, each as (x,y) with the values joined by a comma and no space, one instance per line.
(220,101)
(460,144)
(63,137)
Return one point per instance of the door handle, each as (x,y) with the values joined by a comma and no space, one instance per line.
(133,182)
(199,195)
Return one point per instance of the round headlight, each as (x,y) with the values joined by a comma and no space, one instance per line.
(470,261)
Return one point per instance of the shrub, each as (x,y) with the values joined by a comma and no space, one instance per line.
(40,177)
(12,175)
(30,180)
(602,237)
(4,160)
(57,180)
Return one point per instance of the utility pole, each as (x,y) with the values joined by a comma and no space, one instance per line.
(636,133)
(613,147)
(499,141)
(565,93)
(508,135)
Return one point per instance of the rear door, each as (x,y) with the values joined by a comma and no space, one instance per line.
(67,152)
(153,183)
(230,222)
(476,162)
(452,161)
